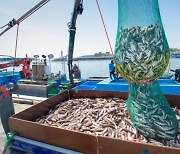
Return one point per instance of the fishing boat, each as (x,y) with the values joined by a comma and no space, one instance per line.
(168,85)
(175,55)
(57,139)
(35,79)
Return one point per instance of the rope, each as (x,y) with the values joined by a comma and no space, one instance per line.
(106,33)
(17,34)
(105,28)
(3,26)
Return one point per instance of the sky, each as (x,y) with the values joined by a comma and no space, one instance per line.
(45,32)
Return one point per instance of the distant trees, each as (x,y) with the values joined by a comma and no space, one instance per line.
(108,54)
(101,54)
(174,50)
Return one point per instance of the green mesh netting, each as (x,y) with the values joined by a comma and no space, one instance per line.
(150,112)
(141,51)
(141,56)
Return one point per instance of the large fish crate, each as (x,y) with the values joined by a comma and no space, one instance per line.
(23,125)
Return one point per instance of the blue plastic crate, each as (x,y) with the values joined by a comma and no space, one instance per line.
(7,76)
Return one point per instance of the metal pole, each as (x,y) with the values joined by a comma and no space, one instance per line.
(72,31)
(50,65)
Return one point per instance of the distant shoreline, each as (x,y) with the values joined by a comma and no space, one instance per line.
(65,59)
(84,58)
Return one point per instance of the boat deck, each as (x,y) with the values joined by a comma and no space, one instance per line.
(168,86)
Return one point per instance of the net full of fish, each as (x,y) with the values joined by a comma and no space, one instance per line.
(99,116)
(141,53)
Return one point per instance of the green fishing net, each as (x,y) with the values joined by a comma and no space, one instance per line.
(150,112)
(141,56)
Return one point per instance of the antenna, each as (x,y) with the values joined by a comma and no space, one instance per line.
(50,56)
(36,57)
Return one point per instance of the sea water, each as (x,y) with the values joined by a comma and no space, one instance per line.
(92,68)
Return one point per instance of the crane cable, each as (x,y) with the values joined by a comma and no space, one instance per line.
(107,36)
(4,26)
(105,29)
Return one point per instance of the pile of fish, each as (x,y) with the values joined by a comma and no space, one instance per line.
(141,53)
(99,116)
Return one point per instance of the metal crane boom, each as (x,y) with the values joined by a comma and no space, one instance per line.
(23,17)
(78,9)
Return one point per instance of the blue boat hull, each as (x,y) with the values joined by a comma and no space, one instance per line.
(168,86)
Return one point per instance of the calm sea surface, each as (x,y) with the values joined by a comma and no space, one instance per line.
(97,68)
(92,68)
